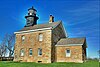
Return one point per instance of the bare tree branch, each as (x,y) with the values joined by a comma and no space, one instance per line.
(7,45)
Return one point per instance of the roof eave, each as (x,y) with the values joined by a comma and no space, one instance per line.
(48,28)
(70,45)
(27,31)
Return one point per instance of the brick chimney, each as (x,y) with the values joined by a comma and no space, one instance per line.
(51,19)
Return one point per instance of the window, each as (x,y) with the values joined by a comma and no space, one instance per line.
(22,52)
(39,51)
(40,37)
(68,53)
(30,52)
(30,13)
(23,38)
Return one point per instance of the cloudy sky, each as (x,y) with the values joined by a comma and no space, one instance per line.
(80,18)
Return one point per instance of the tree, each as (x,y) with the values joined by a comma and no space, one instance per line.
(3,50)
(7,45)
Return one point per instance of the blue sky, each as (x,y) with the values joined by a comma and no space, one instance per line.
(80,17)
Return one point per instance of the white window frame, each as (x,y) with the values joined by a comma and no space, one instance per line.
(39,49)
(22,52)
(68,54)
(30,52)
(40,37)
(23,38)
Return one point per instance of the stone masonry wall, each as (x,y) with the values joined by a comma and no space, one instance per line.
(57,34)
(31,41)
(76,54)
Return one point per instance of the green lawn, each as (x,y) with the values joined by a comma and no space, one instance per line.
(31,64)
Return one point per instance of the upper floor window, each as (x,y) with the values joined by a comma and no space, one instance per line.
(22,52)
(39,51)
(68,53)
(23,38)
(40,37)
(30,52)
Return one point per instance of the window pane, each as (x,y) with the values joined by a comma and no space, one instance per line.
(40,37)
(39,51)
(30,13)
(23,38)
(68,53)
(30,51)
(22,52)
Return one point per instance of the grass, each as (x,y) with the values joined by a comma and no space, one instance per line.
(62,64)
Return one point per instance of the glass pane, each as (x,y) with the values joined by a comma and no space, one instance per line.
(22,52)
(68,51)
(23,38)
(30,52)
(39,51)
(30,13)
(40,37)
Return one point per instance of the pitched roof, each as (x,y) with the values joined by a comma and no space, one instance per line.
(40,26)
(71,41)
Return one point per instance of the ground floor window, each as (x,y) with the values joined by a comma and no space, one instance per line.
(30,52)
(68,52)
(22,52)
(39,51)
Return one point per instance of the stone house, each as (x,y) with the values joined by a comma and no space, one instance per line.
(47,43)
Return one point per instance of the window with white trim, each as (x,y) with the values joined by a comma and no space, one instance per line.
(23,38)
(40,37)
(22,52)
(30,52)
(39,51)
(68,52)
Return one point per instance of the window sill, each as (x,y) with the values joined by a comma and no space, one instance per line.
(39,55)
(68,56)
(21,56)
(30,55)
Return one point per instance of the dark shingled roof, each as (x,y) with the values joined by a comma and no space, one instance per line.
(40,26)
(71,41)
